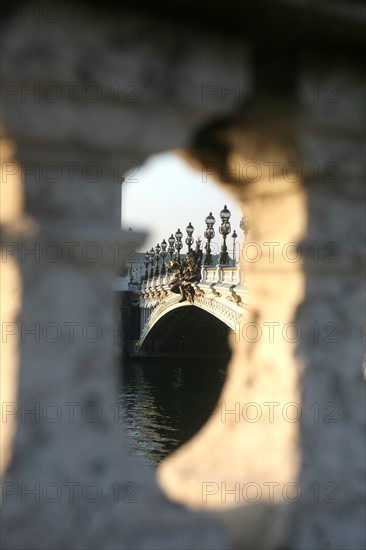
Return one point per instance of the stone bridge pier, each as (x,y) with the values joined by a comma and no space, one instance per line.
(270,97)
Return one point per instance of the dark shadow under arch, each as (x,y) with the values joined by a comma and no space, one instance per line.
(188,331)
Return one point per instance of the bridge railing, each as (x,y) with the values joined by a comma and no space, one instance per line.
(221,274)
(230,275)
(161,280)
(209,274)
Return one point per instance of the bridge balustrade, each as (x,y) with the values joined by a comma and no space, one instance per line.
(209,274)
(228,275)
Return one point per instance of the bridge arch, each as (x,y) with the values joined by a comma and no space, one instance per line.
(186,329)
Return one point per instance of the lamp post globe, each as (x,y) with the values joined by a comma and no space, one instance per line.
(225,214)
(178,243)
(163,254)
(224,229)
(189,239)
(157,258)
(210,220)
(171,247)
(209,235)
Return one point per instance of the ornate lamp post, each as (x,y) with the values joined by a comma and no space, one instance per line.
(224,229)
(146,264)
(178,243)
(234,236)
(171,247)
(157,258)
(163,254)
(152,259)
(189,239)
(209,235)
(244,226)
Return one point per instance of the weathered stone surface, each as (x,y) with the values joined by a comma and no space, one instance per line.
(308,365)
(68,423)
(267,462)
(250,444)
(11,216)
(131,60)
(111,84)
(73,438)
(88,492)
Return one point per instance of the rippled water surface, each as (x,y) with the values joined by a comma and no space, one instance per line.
(167,401)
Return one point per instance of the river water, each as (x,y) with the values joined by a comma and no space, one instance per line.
(167,401)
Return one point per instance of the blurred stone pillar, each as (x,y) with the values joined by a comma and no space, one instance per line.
(13,225)
(70,482)
(251,450)
(330,353)
(284,450)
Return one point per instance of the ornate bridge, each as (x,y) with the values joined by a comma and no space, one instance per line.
(190,280)
(220,291)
